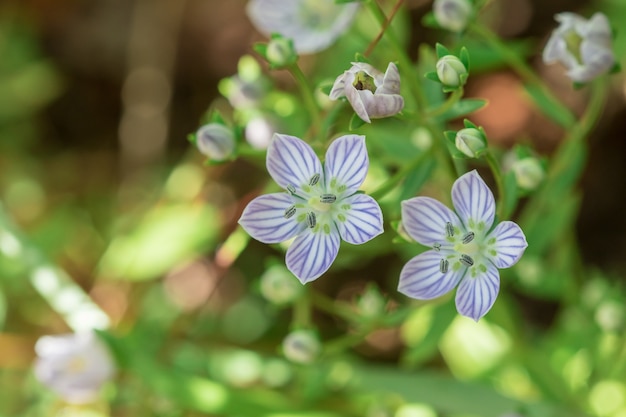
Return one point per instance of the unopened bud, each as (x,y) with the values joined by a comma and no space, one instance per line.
(216,141)
(528,173)
(451,71)
(471,142)
(279,286)
(280,52)
(452,14)
(301,346)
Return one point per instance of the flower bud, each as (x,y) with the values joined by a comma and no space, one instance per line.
(451,71)
(216,141)
(301,346)
(279,286)
(528,173)
(280,52)
(452,14)
(471,142)
(371,304)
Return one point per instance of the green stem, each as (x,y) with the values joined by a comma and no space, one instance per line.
(446,105)
(494,165)
(333,307)
(302,311)
(391,183)
(307,95)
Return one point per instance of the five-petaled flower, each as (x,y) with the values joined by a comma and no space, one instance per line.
(313,25)
(582,46)
(321,205)
(371,93)
(466,249)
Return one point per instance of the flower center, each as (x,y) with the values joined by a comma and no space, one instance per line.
(363,81)
(573,41)
(323,203)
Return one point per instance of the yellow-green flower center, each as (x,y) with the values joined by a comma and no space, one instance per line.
(363,81)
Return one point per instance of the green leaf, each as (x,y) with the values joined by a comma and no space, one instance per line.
(416,179)
(555,111)
(355,122)
(441,50)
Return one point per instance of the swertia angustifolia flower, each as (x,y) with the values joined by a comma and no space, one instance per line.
(75,366)
(452,14)
(371,93)
(312,24)
(216,141)
(466,249)
(321,205)
(582,46)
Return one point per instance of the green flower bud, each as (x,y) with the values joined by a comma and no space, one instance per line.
(301,346)
(528,173)
(452,14)
(471,142)
(216,141)
(279,286)
(451,71)
(280,52)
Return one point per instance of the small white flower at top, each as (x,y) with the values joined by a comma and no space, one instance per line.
(466,249)
(313,25)
(371,93)
(321,205)
(582,46)
(75,366)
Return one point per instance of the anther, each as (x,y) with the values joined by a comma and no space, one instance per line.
(437,247)
(314,179)
(443,266)
(449,229)
(311,220)
(291,189)
(289,212)
(468,238)
(466,260)
(328,198)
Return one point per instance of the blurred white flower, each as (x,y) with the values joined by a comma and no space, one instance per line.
(302,346)
(371,93)
(75,366)
(216,141)
(312,24)
(259,132)
(582,46)
(452,14)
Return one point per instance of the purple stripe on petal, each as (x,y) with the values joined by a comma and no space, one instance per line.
(421,277)
(311,254)
(347,160)
(363,222)
(356,101)
(291,161)
(476,295)
(425,219)
(510,244)
(472,199)
(264,218)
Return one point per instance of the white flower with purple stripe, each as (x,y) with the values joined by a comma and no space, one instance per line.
(466,249)
(322,204)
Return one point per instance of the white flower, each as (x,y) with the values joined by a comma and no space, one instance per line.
(452,14)
(216,141)
(75,366)
(312,24)
(371,93)
(301,346)
(582,46)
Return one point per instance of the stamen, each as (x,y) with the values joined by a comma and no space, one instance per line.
(437,246)
(314,179)
(468,238)
(328,198)
(291,189)
(443,266)
(311,220)
(449,229)
(289,212)
(466,260)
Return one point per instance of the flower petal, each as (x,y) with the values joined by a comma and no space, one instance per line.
(510,244)
(364,220)
(473,200)
(381,105)
(311,254)
(425,218)
(291,161)
(421,277)
(391,81)
(347,163)
(356,101)
(264,218)
(339,87)
(476,295)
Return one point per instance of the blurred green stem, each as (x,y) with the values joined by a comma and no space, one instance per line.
(302,311)
(395,179)
(494,165)
(333,307)
(446,105)
(308,97)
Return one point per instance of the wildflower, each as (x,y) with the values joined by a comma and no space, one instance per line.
(312,24)
(216,141)
(451,71)
(321,205)
(75,366)
(301,346)
(452,14)
(371,93)
(466,249)
(582,46)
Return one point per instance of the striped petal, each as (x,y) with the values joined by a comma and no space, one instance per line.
(311,254)
(291,161)
(422,277)
(347,163)
(473,201)
(425,218)
(355,98)
(476,295)
(264,218)
(510,244)
(364,220)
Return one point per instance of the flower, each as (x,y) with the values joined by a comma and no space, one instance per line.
(467,250)
(371,93)
(321,205)
(75,366)
(451,71)
(582,46)
(471,142)
(452,14)
(312,24)
(216,141)
(528,172)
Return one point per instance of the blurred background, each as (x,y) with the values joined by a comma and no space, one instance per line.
(107,207)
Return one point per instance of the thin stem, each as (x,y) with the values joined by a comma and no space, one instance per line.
(494,165)
(302,311)
(334,307)
(391,183)
(307,96)
(446,105)
(383,28)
